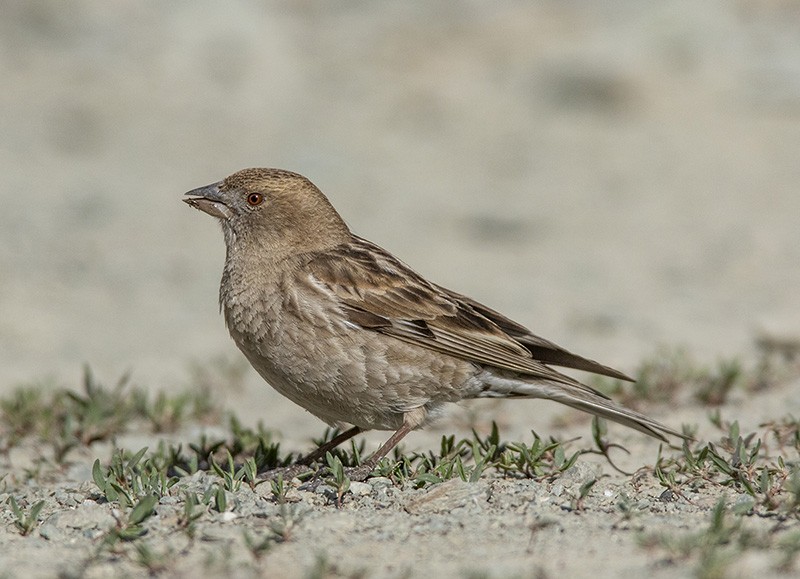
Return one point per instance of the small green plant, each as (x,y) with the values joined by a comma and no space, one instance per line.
(259,545)
(130,527)
(670,373)
(192,511)
(166,413)
(205,447)
(583,493)
(288,518)
(25,521)
(220,498)
(250,469)
(713,387)
(245,440)
(715,548)
(741,461)
(232,478)
(351,458)
(278,531)
(130,478)
(66,419)
(279,489)
(538,460)
(469,458)
(338,479)
(154,561)
(626,510)
(25,412)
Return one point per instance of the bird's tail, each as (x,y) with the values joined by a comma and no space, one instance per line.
(579,396)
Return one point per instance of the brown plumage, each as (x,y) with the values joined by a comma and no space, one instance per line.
(353,335)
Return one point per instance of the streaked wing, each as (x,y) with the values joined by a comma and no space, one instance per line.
(379,292)
(541,349)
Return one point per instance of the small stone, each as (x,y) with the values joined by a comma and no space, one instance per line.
(579,474)
(380,482)
(324,493)
(360,489)
(91,516)
(324,489)
(66,499)
(667,496)
(743,505)
(93,534)
(51,532)
(293,496)
(445,497)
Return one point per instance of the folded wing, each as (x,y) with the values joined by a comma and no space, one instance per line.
(379,292)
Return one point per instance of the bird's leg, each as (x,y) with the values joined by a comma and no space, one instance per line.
(387,446)
(411,420)
(301,466)
(330,445)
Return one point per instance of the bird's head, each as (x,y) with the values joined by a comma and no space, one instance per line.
(278,211)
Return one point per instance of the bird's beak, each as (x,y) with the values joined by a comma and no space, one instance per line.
(210,200)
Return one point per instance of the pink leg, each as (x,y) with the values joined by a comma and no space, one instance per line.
(387,446)
(330,445)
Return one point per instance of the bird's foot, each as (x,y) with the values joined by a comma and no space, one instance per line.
(359,473)
(326,476)
(288,473)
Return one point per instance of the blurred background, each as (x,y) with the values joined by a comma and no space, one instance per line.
(615,175)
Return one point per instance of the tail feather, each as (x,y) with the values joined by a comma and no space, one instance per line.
(579,397)
(608,409)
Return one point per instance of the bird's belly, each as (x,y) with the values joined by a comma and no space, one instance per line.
(354,376)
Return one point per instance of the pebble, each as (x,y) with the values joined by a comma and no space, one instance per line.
(360,489)
(446,496)
(324,489)
(380,482)
(67,499)
(293,496)
(90,518)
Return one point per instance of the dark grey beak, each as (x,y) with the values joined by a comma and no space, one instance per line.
(210,200)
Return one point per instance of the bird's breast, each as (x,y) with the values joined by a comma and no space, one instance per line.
(298,339)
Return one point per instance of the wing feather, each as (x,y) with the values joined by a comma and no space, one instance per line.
(379,292)
(540,348)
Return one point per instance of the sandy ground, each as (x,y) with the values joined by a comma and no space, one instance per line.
(615,175)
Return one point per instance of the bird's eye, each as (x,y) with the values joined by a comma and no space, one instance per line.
(255,199)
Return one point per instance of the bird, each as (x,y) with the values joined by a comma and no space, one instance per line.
(347,331)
